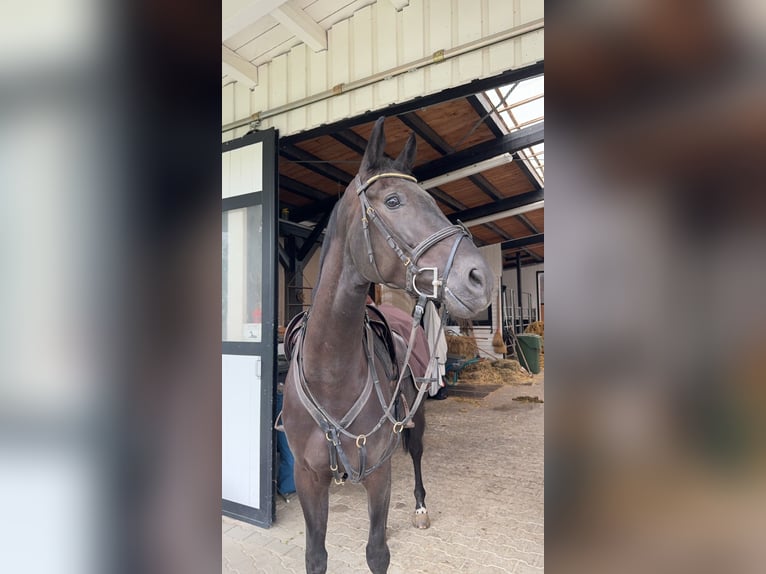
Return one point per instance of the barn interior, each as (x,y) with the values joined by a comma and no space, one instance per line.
(469,83)
(481,157)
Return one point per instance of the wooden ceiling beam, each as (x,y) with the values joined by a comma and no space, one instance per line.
(508,143)
(413,121)
(300,188)
(314,163)
(314,210)
(533,255)
(351,140)
(446,199)
(528,224)
(523,241)
(498,206)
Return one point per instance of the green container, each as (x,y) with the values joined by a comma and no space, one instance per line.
(529,345)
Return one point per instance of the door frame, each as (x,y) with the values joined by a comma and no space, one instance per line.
(266,348)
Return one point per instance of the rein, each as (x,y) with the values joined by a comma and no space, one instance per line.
(335,429)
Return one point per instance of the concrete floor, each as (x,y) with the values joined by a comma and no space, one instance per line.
(483,473)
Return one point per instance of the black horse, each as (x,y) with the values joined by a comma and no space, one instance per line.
(345,405)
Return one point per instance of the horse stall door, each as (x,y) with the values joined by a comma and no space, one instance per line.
(248,325)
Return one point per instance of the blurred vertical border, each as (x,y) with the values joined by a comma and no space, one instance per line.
(110,224)
(656,328)
(656,334)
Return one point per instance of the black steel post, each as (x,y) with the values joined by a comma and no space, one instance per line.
(518,291)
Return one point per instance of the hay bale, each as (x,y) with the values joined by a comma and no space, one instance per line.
(460,346)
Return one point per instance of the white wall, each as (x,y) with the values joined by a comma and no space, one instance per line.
(494,256)
(528,282)
(375,39)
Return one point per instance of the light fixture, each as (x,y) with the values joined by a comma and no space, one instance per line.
(472,169)
(507,213)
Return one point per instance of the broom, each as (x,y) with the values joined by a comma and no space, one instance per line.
(498,345)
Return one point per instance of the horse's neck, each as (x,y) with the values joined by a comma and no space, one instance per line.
(337,314)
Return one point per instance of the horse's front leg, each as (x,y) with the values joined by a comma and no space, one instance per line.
(378,486)
(314,493)
(415,447)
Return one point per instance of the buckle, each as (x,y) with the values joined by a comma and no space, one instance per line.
(436,282)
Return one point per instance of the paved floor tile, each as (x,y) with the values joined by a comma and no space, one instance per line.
(483,473)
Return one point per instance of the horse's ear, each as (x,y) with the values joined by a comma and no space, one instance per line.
(375,148)
(406,158)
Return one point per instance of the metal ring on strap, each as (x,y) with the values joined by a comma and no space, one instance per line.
(363,440)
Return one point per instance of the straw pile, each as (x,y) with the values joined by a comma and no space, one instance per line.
(485,372)
(481,373)
(459,346)
(511,369)
(536,328)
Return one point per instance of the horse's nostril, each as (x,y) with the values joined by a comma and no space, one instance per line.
(476,277)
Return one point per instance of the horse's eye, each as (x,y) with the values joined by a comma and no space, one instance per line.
(392,202)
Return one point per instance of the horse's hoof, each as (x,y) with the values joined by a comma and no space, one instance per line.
(420,519)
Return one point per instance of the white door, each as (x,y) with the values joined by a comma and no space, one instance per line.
(248,325)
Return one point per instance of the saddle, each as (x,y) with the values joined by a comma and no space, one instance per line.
(378,323)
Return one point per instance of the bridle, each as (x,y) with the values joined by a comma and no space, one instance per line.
(408,256)
(334,429)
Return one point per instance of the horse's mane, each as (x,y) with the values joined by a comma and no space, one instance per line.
(330,233)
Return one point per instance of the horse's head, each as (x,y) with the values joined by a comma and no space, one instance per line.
(402,238)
